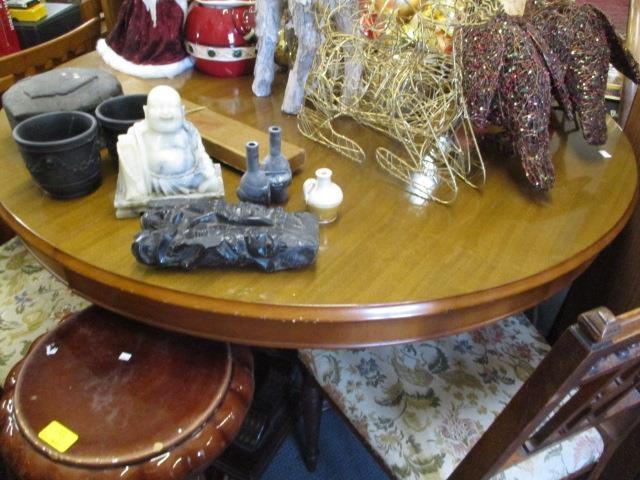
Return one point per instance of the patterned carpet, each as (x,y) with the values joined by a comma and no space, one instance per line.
(342,456)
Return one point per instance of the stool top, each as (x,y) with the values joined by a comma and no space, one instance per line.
(129,391)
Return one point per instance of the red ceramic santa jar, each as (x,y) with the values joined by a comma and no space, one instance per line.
(220,36)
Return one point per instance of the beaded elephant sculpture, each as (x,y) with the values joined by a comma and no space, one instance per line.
(508,76)
(585,43)
(513,65)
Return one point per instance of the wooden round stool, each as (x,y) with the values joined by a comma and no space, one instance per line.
(102,397)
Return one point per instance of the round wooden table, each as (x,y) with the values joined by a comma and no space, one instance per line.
(387,271)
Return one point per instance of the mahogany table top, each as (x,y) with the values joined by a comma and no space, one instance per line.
(387,271)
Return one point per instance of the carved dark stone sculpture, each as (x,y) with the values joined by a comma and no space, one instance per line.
(213,233)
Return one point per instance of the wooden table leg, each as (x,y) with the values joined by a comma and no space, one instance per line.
(269,420)
(311,404)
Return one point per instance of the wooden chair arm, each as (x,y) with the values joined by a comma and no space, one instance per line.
(46,54)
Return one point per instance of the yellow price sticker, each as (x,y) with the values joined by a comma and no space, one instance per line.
(58,436)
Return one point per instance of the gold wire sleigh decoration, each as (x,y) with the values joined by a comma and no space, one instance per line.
(396,80)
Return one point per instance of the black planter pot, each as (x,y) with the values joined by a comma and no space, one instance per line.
(116,115)
(60,152)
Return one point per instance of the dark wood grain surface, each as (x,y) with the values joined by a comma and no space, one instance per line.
(165,411)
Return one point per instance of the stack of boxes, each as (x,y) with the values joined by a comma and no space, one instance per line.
(37,21)
(27,10)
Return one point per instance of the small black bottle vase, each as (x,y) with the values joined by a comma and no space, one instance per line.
(254,184)
(276,167)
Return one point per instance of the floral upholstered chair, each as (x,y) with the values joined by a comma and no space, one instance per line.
(32,302)
(423,406)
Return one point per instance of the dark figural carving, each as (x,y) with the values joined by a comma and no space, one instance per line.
(212,233)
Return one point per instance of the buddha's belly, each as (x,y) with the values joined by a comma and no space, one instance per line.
(171,161)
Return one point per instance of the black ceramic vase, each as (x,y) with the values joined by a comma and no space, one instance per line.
(276,167)
(254,184)
(116,115)
(60,152)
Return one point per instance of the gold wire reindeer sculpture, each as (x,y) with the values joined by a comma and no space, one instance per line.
(409,88)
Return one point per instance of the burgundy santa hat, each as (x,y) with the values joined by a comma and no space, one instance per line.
(147,39)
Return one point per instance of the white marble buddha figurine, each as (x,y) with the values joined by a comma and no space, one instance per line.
(163,156)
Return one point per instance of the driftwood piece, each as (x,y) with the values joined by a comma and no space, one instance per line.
(306,28)
(212,233)
(303,17)
(268,17)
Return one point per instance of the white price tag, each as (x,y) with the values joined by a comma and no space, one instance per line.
(125,357)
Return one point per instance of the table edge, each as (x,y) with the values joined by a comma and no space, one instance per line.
(289,325)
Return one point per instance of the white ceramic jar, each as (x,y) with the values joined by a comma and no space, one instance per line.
(323,197)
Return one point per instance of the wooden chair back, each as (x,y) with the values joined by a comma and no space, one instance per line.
(46,56)
(632,125)
(589,379)
(110,9)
